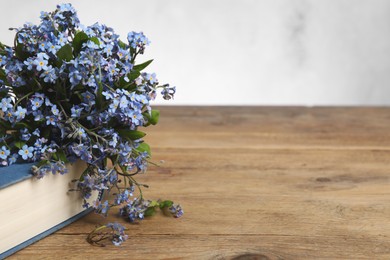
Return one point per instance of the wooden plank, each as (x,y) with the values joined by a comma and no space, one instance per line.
(290,197)
(274,127)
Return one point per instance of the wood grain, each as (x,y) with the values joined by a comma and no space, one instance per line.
(256,183)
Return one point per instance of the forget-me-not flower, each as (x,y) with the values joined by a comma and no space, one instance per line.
(26,152)
(4,152)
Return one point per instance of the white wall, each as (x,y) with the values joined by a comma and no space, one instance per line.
(250,52)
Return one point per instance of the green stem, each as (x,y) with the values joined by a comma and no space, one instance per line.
(20,99)
(92,133)
(138,186)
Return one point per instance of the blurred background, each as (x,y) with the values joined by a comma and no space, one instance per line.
(248,52)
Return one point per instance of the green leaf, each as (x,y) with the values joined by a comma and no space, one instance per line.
(3,77)
(60,90)
(122,82)
(154,117)
(130,84)
(142,66)
(46,132)
(61,156)
(153,203)
(99,96)
(5,125)
(19,144)
(144,147)
(64,54)
(21,125)
(166,204)
(79,39)
(150,211)
(131,134)
(41,163)
(95,40)
(122,44)
(133,75)
(20,53)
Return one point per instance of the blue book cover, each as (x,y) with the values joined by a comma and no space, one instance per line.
(18,179)
(14,174)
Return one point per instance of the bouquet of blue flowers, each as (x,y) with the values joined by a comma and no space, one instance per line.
(71,92)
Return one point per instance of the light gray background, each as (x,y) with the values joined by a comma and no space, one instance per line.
(249,52)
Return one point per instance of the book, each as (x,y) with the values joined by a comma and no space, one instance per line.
(32,208)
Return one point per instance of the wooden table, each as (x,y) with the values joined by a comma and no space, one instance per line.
(256,183)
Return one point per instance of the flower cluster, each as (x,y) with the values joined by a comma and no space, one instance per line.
(71,92)
(116,234)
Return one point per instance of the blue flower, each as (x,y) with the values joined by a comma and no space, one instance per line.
(108,49)
(36,132)
(62,39)
(29,63)
(41,61)
(52,48)
(5,104)
(81,133)
(88,98)
(12,159)
(91,81)
(51,120)
(42,46)
(3,60)
(47,102)
(108,94)
(123,103)
(49,75)
(66,16)
(4,152)
(151,78)
(136,117)
(20,113)
(44,15)
(24,134)
(114,140)
(137,40)
(118,236)
(75,77)
(176,211)
(38,116)
(55,110)
(82,152)
(76,111)
(92,45)
(123,54)
(26,152)
(125,149)
(168,92)
(112,71)
(36,103)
